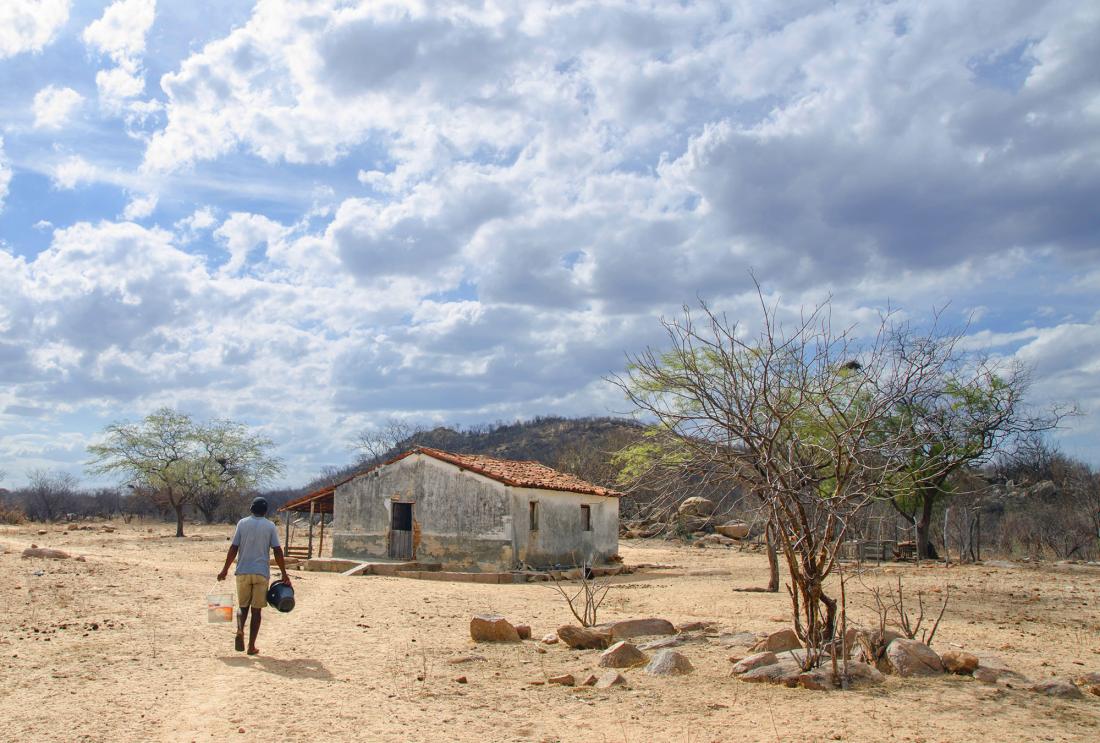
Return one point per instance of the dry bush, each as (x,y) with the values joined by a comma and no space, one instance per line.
(12,515)
(585,601)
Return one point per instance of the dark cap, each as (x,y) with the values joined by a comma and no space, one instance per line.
(259,506)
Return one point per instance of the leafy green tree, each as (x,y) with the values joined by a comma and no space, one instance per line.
(177,461)
(972,410)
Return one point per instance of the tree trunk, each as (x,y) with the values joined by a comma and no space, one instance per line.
(773,560)
(178,508)
(925,550)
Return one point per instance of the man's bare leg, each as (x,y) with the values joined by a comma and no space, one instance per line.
(253,631)
(242,614)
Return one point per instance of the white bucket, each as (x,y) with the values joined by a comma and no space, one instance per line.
(219,607)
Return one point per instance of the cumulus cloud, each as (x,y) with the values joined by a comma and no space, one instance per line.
(140,206)
(29,25)
(53,106)
(490,204)
(120,34)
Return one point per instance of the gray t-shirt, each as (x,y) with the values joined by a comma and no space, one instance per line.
(254,536)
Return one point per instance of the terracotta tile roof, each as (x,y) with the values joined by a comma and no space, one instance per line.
(519,474)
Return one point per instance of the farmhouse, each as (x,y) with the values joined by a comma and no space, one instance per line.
(474,513)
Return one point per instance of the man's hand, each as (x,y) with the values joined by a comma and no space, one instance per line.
(286,578)
(221,575)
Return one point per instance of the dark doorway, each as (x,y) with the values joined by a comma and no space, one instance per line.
(401,531)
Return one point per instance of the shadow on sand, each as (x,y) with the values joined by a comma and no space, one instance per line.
(295,668)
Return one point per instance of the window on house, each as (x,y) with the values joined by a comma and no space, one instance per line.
(533,515)
(586,518)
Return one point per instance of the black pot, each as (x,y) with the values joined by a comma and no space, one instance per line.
(281,596)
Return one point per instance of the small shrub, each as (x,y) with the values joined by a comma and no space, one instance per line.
(12,515)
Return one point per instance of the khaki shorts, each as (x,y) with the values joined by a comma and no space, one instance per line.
(252,591)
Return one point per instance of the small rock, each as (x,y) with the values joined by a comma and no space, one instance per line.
(590,680)
(460,680)
(754,661)
(465,659)
(785,672)
(81,558)
(818,679)
(694,626)
(622,655)
(536,682)
(550,639)
(1062,688)
(669,663)
(540,650)
(777,642)
(627,628)
(609,679)
(584,638)
(45,553)
(1000,676)
(42,532)
(566,679)
(737,639)
(959,661)
(524,631)
(913,658)
(662,643)
(1087,679)
(492,628)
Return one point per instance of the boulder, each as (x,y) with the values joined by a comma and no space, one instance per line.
(590,680)
(583,638)
(45,553)
(627,628)
(669,663)
(492,628)
(718,540)
(694,626)
(622,655)
(912,658)
(1063,688)
(777,642)
(959,661)
(524,631)
(566,679)
(766,658)
(1001,677)
(609,679)
(696,506)
(550,639)
(861,672)
(733,529)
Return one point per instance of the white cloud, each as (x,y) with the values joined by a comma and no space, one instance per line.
(29,25)
(53,106)
(241,234)
(74,171)
(120,35)
(140,207)
(5,174)
(201,220)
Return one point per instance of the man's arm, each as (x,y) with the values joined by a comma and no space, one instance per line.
(229,557)
(281,563)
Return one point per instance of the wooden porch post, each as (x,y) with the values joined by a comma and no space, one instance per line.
(286,543)
(321,546)
(311,506)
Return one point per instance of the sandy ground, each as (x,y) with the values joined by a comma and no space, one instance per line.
(117,648)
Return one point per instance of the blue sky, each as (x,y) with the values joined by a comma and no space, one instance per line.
(313,217)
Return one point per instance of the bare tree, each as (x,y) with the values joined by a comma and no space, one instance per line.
(800,415)
(48,494)
(373,445)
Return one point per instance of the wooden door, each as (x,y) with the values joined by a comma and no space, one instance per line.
(401,531)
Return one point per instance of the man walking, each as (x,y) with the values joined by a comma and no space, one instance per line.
(254,535)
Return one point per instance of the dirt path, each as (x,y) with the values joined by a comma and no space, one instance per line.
(369,658)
